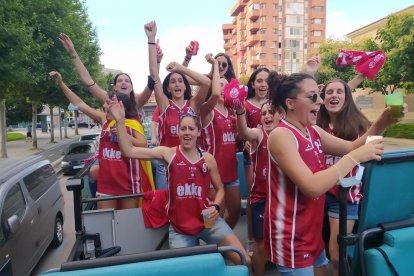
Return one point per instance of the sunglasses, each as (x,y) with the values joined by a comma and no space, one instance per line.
(222,64)
(314,97)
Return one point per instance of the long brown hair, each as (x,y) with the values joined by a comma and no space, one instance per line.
(350,122)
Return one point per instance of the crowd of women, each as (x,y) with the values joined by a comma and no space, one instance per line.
(299,142)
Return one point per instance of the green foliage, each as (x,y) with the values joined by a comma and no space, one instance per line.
(244,80)
(400,131)
(13,136)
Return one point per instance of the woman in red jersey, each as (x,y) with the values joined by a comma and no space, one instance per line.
(117,175)
(298,177)
(257,137)
(190,172)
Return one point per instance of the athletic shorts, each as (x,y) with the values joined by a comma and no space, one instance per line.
(332,205)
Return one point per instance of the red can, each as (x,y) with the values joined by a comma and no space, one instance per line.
(195,47)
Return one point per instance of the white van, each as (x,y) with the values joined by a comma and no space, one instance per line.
(32,214)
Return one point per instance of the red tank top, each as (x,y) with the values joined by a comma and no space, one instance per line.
(253,115)
(293,222)
(354,192)
(118,175)
(220,141)
(168,124)
(188,185)
(260,159)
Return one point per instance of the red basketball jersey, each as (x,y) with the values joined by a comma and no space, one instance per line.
(253,115)
(188,185)
(119,175)
(260,157)
(292,230)
(220,141)
(169,124)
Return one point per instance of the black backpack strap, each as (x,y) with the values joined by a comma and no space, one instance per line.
(390,265)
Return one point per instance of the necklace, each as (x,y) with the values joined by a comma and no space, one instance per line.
(306,134)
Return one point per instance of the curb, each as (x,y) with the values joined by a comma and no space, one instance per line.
(56,165)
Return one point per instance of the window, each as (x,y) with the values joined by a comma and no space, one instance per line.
(39,181)
(241,21)
(315,45)
(295,31)
(263,43)
(14,204)
(254,6)
(263,31)
(317,33)
(280,20)
(262,18)
(292,43)
(317,21)
(274,7)
(273,45)
(262,56)
(274,19)
(274,56)
(317,9)
(274,31)
(263,6)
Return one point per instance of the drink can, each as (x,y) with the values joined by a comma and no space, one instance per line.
(195,47)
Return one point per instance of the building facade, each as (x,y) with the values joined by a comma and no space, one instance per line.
(279,35)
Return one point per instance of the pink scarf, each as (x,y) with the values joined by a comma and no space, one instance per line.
(367,63)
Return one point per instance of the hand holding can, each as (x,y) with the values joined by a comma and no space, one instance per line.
(194,44)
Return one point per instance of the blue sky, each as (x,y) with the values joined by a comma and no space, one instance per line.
(120,28)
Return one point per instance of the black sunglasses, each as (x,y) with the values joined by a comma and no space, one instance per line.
(222,64)
(314,97)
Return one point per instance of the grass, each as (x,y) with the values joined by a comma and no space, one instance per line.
(13,136)
(403,130)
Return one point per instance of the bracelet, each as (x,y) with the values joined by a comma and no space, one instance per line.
(74,56)
(338,171)
(239,114)
(152,43)
(350,157)
(187,59)
(91,85)
(216,206)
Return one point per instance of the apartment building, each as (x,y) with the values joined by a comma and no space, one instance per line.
(278,34)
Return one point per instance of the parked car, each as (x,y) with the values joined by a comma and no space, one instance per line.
(75,155)
(32,214)
(81,124)
(90,136)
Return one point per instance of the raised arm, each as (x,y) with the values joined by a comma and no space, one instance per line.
(312,65)
(162,100)
(83,73)
(208,106)
(250,134)
(204,83)
(356,81)
(75,100)
(142,98)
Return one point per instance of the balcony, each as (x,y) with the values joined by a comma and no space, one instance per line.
(227,28)
(255,63)
(227,36)
(252,39)
(239,7)
(253,26)
(253,15)
(227,46)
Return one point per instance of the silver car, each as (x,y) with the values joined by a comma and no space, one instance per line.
(32,214)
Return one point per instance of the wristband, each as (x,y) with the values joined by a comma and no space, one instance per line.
(350,157)
(216,206)
(90,85)
(239,114)
(150,83)
(74,56)
(152,43)
(187,59)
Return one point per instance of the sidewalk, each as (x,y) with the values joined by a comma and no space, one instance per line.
(21,149)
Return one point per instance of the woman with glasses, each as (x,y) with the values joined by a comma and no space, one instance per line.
(117,175)
(298,177)
(219,137)
(257,137)
(190,172)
